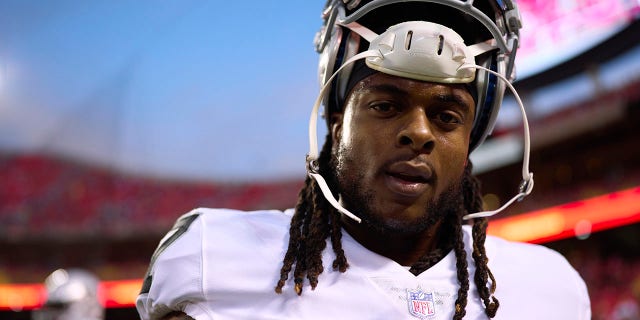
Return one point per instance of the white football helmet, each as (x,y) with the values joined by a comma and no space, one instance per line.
(496,22)
(71,295)
(444,41)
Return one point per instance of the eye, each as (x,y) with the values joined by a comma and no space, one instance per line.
(449,117)
(384,108)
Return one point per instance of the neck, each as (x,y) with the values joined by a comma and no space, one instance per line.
(404,249)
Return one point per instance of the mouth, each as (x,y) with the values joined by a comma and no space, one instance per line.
(409,179)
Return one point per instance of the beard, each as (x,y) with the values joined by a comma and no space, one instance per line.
(350,179)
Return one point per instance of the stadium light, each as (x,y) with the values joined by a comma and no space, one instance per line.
(575,219)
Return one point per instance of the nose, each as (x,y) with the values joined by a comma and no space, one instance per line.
(416,132)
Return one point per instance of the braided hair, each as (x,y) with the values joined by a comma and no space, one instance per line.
(315,220)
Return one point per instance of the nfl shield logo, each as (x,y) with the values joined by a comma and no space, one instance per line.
(420,304)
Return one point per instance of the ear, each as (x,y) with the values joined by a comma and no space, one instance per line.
(336,126)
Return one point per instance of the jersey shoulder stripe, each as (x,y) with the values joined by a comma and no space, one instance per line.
(179,228)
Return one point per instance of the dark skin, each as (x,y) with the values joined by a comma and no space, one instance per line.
(405,142)
(408,141)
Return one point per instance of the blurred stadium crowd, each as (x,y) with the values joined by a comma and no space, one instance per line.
(55,213)
(43,196)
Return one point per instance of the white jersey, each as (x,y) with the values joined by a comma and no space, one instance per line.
(224,264)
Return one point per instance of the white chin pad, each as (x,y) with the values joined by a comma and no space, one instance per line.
(423,50)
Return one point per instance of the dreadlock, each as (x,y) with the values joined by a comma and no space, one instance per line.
(315,220)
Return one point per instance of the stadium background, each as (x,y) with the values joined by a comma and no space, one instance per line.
(67,201)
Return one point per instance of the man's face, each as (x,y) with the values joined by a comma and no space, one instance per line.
(400,148)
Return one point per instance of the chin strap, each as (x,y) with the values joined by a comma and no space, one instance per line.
(312,157)
(527,177)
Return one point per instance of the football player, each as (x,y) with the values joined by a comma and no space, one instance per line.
(72,294)
(389,223)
